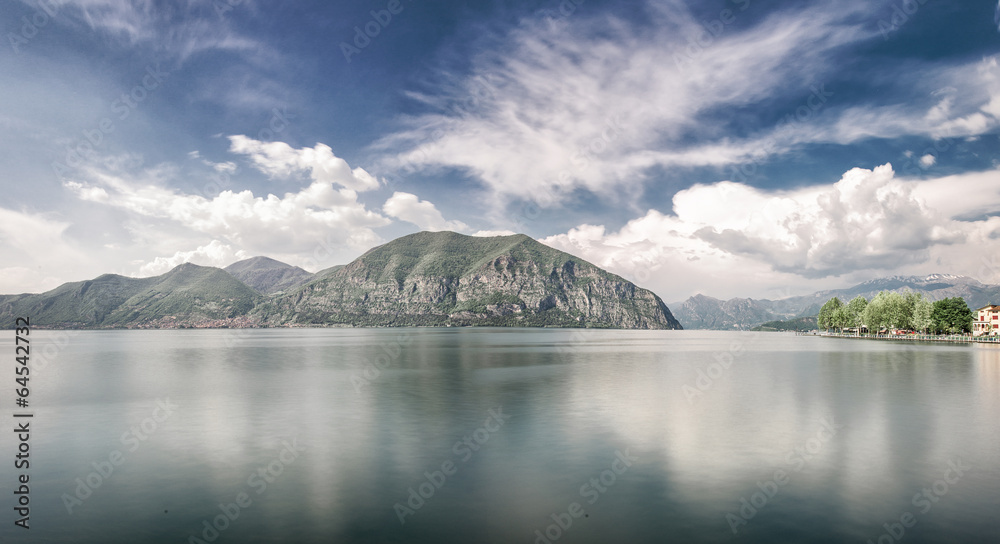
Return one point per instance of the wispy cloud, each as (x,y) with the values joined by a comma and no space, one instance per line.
(595,103)
(581,102)
(179,30)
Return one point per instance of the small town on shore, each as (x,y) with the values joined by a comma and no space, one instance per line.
(909,316)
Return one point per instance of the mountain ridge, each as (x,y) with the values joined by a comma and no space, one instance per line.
(448,279)
(700,311)
(434,279)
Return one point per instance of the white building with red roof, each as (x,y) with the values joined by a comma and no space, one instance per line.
(987,321)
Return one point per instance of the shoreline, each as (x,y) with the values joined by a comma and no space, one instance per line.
(949,339)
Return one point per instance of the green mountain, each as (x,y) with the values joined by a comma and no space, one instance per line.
(427,278)
(444,279)
(266,275)
(802,324)
(188,295)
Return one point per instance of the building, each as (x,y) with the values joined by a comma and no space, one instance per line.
(987,320)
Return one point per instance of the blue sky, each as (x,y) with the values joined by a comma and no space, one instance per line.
(732,148)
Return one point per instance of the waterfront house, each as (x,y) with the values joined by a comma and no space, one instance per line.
(987,320)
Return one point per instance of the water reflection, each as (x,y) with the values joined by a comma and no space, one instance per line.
(780,438)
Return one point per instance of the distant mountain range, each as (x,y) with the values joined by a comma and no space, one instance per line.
(703,312)
(425,279)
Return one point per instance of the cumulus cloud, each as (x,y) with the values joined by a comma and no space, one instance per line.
(744,239)
(280,160)
(320,215)
(928,160)
(215,253)
(490,233)
(35,239)
(421,213)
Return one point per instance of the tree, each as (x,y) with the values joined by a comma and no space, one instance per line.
(825,318)
(886,310)
(910,300)
(840,318)
(952,315)
(855,309)
(922,315)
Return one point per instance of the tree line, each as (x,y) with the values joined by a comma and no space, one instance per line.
(889,310)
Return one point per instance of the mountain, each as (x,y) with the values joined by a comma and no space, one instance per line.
(444,278)
(702,312)
(801,324)
(266,275)
(933,286)
(188,295)
(440,278)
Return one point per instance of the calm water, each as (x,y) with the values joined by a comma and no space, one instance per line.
(592,436)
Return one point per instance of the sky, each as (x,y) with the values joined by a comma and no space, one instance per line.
(744,148)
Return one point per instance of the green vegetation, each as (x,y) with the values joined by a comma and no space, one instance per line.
(801,324)
(186,295)
(831,315)
(952,315)
(444,278)
(890,310)
(425,279)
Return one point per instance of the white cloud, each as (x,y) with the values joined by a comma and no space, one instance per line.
(729,239)
(928,160)
(421,213)
(182,31)
(597,103)
(280,160)
(318,216)
(491,233)
(36,250)
(215,253)
(580,103)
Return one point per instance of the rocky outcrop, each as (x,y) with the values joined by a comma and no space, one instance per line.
(446,278)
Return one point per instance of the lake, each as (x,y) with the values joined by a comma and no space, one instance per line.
(503,435)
